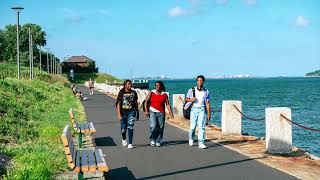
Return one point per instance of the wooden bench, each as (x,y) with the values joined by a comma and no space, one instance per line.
(81,128)
(82,160)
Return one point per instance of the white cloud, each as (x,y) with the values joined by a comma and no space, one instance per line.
(177,11)
(302,21)
(71,16)
(251,2)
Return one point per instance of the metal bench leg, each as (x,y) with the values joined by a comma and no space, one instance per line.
(80,140)
(80,176)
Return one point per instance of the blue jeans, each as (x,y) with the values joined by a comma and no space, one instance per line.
(197,118)
(127,122)
(156,124)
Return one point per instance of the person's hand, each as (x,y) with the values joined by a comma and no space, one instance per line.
(209,117)
(119,117)
(172,116)
(193,99)
(147,114)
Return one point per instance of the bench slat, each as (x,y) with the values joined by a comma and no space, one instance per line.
(77,162)
(101,163)
(86,128)
(82,128)
(92,161)
(84,161)
(92,128)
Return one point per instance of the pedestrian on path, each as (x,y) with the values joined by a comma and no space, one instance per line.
(127,111)
(156,102)
(91,86)
(200,111)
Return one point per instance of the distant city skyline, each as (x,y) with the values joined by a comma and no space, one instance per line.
(181,38)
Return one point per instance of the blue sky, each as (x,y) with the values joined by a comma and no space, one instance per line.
(181,38)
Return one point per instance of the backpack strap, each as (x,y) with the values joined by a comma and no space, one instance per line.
(194,92)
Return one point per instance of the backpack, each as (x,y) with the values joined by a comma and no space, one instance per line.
(145,108)
(186,112)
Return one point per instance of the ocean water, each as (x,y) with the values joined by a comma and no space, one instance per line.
(301,94)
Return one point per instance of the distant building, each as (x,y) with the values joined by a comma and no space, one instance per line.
(81,64)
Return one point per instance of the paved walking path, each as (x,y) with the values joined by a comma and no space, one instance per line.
(175,160)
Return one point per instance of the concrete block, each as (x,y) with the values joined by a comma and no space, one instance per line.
(177,104)
(231,118)
(278,131)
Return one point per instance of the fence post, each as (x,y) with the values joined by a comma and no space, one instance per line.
(278,131)
(231,118)
(177,104)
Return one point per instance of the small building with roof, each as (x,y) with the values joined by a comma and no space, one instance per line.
(81,64)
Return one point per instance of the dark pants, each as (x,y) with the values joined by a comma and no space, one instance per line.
(156,124)
(127,122)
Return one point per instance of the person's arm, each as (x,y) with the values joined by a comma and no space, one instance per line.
(146,104)
(136,106)
(119,111)
(169,107)
(208,106)
(190,97)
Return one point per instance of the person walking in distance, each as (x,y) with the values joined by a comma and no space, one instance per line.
(200,111)
(156,102)
(127,111)
(91,86)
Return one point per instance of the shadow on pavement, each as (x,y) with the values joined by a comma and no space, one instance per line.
(198,168)
(119,173)
(104,141)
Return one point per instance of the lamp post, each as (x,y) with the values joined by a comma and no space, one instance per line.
(30,53)
(51,63)
(48,60)
(40,59)
(18,10)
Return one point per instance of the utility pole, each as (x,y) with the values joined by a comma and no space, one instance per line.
(48,60)
(51,64)
(30,55)
(18,10)
(40,59)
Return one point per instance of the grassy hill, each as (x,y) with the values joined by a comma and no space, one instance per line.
(32,117)
(314,74)
(81,78)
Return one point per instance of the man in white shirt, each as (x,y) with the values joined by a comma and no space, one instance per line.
(200,111)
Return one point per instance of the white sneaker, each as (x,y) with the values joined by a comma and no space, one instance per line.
(152,143)
(130,146)
(202,146)
(158,144)
(124,143)
(190,142)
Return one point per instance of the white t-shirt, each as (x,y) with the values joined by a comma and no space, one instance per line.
(200,98)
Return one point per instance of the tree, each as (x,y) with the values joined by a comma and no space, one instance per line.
(10,38)
(1,46)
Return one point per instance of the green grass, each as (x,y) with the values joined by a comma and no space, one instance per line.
(32,117)
(10,70)
(81,78)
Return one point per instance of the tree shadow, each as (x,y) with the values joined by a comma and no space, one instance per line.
(104,141)
(178,142)
(228,142)
(119,173)
(199,168)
